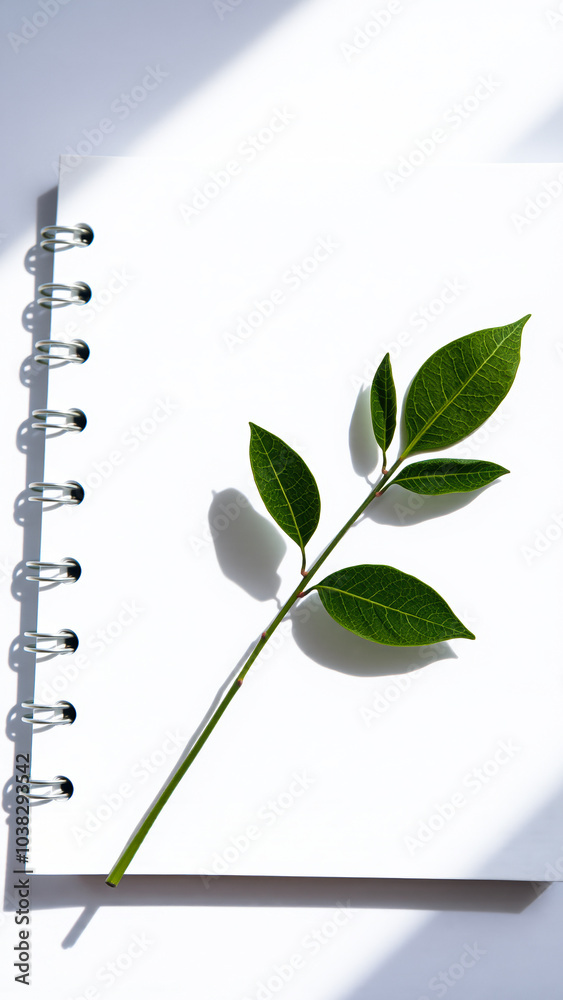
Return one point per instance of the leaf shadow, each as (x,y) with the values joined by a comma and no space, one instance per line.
(401,507)
(321,639)
(401,432)
(248,547)
(364,451)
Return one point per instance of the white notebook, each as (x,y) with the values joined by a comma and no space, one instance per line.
(271,296)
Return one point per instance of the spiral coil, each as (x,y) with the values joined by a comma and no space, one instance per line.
(56,353)
(54,238)
(77,351)
(63,714)
(65,641)
(61,785)
(70,492)
(78,293)
(68,570)
(61,420)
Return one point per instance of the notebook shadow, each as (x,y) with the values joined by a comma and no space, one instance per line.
(441,898)
(90,891)
(39,266)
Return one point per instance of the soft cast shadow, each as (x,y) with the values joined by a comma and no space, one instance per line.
(54,892)
(248,547)
(543,143)
(138,62)
(28,515)
(363,448)
(399,506)
(327,643)
(413,969)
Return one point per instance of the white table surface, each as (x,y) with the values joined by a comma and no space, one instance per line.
(219,71)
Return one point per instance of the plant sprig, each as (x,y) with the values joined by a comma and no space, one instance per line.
(451,395)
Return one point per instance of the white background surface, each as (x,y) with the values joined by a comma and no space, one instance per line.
(225,78)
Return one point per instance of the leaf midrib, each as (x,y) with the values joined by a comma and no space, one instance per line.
(299,535)
(387,607)
(439,475)
(386,404)
(387,409)
(452,398)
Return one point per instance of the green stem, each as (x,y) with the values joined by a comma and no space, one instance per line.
(136,840)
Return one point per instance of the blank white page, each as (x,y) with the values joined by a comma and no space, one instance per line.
(273,302)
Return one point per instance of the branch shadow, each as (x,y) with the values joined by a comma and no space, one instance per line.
(402,507)
(248,547)
(363,447)
(397,506)
(249,551)
(321,639)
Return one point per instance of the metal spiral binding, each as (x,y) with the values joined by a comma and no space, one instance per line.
(78,351)
(78,294)
(54,295)
(64,714)
(66,636)
(70,420)
(70,568)
(71,492)
(56,238)
(64,784)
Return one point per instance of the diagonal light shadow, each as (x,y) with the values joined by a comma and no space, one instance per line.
(127,64)
(418,962)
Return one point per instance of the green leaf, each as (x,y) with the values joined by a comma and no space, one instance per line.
(286,485)
(382,604)
(383,401)
(460,385)
(443,475)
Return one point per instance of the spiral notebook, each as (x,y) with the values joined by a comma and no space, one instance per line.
(186,301)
